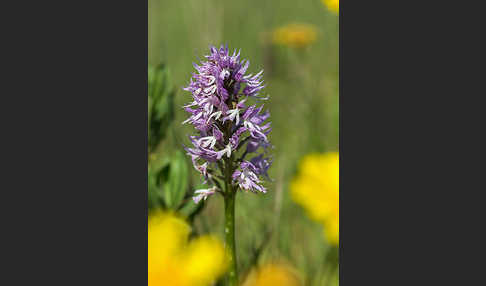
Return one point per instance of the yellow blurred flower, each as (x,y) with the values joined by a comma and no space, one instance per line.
(173,261)
(316,188)
(273,274)
(332,5)
(295,35)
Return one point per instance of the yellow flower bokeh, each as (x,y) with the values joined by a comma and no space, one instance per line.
(296,35)
(273,274)
(173,261)
(316,188)
(332,5)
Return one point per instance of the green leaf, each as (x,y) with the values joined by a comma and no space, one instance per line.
(153,197)
(176,186)
(157,173)
(160,104)
(190,207)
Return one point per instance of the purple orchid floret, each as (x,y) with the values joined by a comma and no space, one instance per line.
(224,122)
(261,165)
(247,178)
(203,194)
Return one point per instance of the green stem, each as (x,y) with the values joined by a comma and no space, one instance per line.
(229,209)
(229,234)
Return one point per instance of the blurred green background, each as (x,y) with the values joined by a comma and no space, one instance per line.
(303,84)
